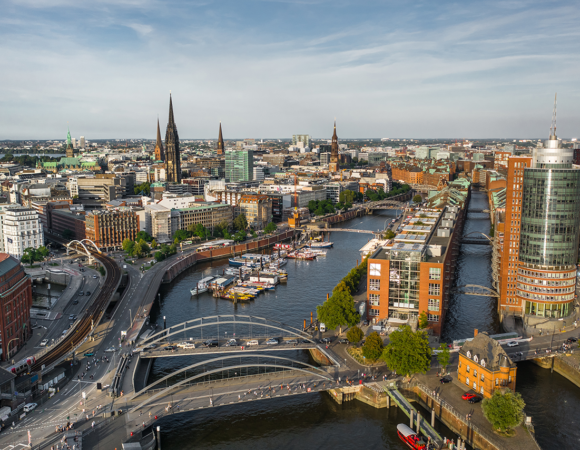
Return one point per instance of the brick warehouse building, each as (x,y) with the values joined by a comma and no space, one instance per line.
(16,298)
(108,229)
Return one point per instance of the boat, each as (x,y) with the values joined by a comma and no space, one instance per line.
(202,286)
(309,256)
(409,437)
(238,262)
(320,253)
(321,244)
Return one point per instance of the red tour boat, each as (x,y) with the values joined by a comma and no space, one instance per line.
(409,437)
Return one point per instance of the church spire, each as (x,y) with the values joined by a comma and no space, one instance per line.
(70,151)
(220,143)
(333,165)
(159,154)
(172,155)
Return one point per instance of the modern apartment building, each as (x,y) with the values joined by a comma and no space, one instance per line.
(16,301)
(257,209)
(207,214)
(109,228)
(22,228)
(239,165)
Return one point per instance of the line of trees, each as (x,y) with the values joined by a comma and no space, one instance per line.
(30,254)
(380,194)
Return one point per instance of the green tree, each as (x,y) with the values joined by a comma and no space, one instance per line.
(102,271)
(68,234)
(128,246)
(373,347)
(423,320)
(270,228)
(153,243)
(145,188)
(137,250)
(313,205)
(443,356)
(372,195)
(346,197)
(240,222)
(201,231)
(417,199)
(29,256)
(254,234)
(504,410)
(144,247)
(338,311)
(408,353)
(143,235)
(389,234)
(181,235)
(42,252)
(240,236)
(172,249)
(159,256)
(355,334)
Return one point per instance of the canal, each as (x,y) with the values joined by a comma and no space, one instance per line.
(316,421)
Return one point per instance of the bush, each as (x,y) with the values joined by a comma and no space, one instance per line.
(417,199)
(503,410)
(102,270)
(355,334)
(373,347)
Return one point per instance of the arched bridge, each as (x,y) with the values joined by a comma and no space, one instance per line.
(385,204)
(475,289)
(74,244)
(473,238)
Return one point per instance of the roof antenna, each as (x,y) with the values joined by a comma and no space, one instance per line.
(553,127)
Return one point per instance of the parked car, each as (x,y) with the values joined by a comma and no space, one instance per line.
(64,332)
(326,340)
(468,396)
(186,344)
(292,341)
(512,344)
(343,341)
(72,317)
(90,354)
(151,346)
(29,407)
(171,347)
(111,350)
(252,342)
(43,342)
(475,399)
(571,340)
(76,302)
(446,379)
(272,341)
(211,343)
(81,293)
(365,323)
(231,343)
(88,293)
(94,276)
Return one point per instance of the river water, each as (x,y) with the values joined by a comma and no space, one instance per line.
(316,421)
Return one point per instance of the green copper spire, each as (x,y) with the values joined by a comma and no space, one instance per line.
(68,140)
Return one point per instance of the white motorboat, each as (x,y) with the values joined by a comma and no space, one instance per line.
(202,286)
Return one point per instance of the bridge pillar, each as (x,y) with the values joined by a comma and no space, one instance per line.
(411,421)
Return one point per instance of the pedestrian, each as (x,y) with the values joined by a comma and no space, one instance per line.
(93,424)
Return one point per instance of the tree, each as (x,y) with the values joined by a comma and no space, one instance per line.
(417,199)
(373,347)
(41,252)
(504,410)
(338,311)
(137,250)
(443,356)
(181,235)
(346,197)
(254,234)
(355,334)
(144,188)
(240,222)
(128,246)
(389,234)
(102,270)
(239,236)
(408,353)
(270,228)
(143,235)
(29,256)
(68,234)
(144,247)
(159,256)
(423,320)
(153,243)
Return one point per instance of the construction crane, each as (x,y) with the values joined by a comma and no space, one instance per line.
(294,221)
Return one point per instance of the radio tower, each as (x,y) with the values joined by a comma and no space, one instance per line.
(553,127)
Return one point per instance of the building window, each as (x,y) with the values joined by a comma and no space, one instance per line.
(481,390)
(434,273)
(434,289)
(433,304)
(474,372)
(373,312)
(510,379)
(474,385)
(482,377)
(467,368)
(467,381)
(497,381)
(433,318)
(374,285)
(374,299)
(375,270)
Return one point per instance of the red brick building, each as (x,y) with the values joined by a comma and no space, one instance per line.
(16,299)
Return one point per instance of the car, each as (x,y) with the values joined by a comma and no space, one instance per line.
(94,276)
(88,293)
(43,342)
(468,396)
(111,350)
(90,354)
(151,346)
(292,341)
(232,343)
(512,344)
(211,343)
(64,332)
(475,399)
(72,317)
(81,293)
(446,379)
(186,344)
(343,341)
(306,341)
(252,342)
(365,323)
(272,341)
(571,340)
(171,347)
(326,340)
(76,302)
(29,407)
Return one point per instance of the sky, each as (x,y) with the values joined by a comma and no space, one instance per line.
(273,68)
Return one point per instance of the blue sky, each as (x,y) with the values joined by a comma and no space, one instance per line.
(273,68)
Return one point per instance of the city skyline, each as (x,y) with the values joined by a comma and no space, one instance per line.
(418,70)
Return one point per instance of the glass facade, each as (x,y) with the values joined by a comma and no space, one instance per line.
(404,283)
(239,165)
(550,219)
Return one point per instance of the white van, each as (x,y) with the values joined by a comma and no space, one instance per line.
(29,407)
(322,328)
(253,342)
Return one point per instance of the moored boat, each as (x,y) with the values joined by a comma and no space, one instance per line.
(409,437)
(201,286)
(321,244)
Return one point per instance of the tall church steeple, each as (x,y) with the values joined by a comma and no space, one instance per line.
(220,144)
(70,151)
(172,156)
(333,165)
(159,153)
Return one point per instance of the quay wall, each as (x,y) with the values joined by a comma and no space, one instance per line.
(563,365)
